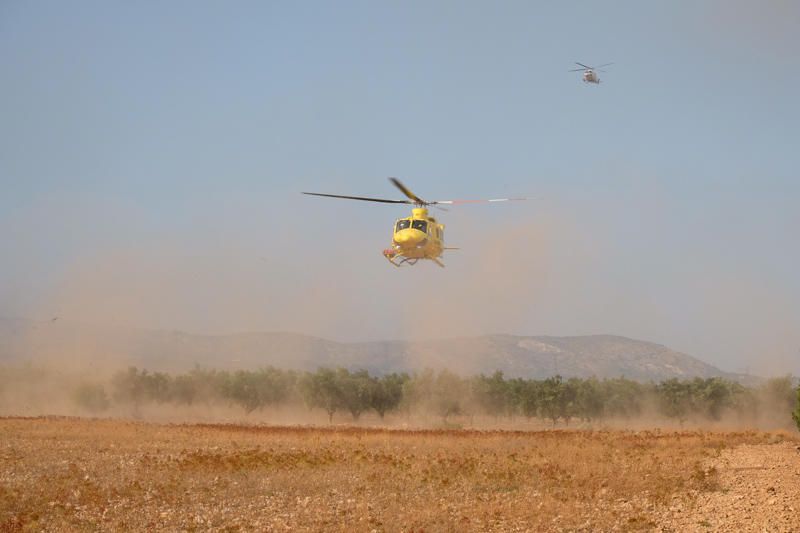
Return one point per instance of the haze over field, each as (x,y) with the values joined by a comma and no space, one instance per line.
(69,346)
(152,159)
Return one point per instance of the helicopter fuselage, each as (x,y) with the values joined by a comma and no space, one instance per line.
(416,237)
(590,76)
(589,72)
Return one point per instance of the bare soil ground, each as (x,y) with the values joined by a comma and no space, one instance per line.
(71,474)
(759,490)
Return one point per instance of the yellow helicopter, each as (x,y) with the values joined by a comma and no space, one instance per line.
(419,236)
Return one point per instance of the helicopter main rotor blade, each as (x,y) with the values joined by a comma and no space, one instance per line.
(381,200)
(576,70)
(411,196)
(491,200)
(584,66)
(605,65)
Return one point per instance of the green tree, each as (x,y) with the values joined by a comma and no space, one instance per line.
(745,403)
(714,395)
(449,393)
(321,389)
(529,396)
(779,393)
(589,401)
(796,413)
(551,394)
(245,389)
(356,391)
(128,386)
(184,389)
(156,386)
(210,385)
(515,391)
(675,399)
(91,397)
(418,392)
(257,389)
(387,393)
(493,394)
(622,397)
(567,401)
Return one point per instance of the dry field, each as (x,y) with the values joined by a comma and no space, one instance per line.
(71,474)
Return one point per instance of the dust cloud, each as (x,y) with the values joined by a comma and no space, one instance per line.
(520,274)
(34,391)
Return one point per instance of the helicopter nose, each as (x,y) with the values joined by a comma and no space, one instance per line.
(408,238)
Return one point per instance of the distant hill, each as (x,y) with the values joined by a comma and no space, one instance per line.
(604,356)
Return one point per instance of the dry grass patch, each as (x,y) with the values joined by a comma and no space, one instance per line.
(78,474)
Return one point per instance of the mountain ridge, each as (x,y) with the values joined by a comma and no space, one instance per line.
(601,355)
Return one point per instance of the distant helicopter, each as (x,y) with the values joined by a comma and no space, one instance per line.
(590,73)
(419,236)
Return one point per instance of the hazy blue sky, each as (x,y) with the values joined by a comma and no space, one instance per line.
(152,154)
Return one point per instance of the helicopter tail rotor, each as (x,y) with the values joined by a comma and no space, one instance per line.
(481,201)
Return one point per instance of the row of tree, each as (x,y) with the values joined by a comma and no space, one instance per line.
(446,394)
(796,412)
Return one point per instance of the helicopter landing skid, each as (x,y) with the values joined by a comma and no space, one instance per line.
(398,260)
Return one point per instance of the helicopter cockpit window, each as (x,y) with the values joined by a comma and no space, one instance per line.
(421,225)
(402,224)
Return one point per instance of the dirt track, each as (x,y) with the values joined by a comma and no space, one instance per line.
(98,475)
